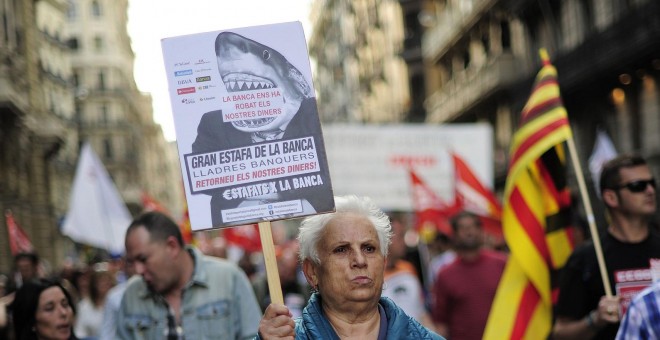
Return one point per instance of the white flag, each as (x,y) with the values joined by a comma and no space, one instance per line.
(97,215)
(603,151)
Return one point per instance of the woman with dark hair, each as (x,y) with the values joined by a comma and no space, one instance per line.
(43,309)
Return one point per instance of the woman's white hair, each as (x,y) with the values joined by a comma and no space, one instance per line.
(311,228)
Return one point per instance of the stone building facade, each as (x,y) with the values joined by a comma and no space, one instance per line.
(360,75)
(479,59)
(66,76)
(32,131)
(482,56)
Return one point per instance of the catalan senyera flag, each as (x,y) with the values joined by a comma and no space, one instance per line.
(535,215)
(475,197)
(19,242)
(184,226)
(432,213)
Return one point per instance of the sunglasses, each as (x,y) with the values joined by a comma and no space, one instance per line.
(638,186)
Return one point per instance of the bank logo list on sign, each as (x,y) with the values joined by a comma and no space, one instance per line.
(250,140)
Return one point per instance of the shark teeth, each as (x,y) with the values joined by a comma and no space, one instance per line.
(253,123)
(235,86)
(245,82)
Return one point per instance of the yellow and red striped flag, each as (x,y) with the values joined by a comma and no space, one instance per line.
(535,215)
(186,229)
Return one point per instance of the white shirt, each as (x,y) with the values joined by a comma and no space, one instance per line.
(89,319)
(403,287)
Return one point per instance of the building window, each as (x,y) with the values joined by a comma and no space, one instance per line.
(485,42)
(466,60)
(104,113)
(107,148)
(10,24)
(96,9)
(98,44)
(72,11)
(5,27)
(51,103)
(587,18)
(101,80)
(73,43)
(506,35)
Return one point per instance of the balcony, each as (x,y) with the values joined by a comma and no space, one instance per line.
(13,84)
(459,95)
(625,46)
(452,24)
(122,126)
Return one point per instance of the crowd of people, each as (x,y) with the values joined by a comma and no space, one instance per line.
(346,275)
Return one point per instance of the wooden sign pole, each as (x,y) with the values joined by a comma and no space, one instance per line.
(590,217)
(272,273)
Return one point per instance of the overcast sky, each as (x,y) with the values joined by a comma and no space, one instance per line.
(150,21)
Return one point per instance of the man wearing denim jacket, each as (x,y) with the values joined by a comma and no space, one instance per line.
(181,293)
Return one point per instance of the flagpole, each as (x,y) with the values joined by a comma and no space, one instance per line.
(590,216)
(272,273)
(425,255)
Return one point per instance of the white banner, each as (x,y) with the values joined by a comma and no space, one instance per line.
(372,160)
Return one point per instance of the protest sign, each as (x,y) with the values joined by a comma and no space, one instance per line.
(247,125)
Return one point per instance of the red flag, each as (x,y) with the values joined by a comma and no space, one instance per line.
(150,204)
(534,217)
(18,240)
(474,197)
(244,236)
(432,213)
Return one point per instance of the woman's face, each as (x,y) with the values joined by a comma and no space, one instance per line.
(104,283)
(54,317)
(352,263)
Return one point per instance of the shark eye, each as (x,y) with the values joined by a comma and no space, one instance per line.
(266,55)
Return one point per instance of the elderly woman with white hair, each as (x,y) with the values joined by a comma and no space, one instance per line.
(343,256)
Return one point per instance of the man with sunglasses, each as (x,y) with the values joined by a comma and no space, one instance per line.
(583,311)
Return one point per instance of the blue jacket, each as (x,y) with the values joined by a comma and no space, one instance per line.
(314,325)
(217,303)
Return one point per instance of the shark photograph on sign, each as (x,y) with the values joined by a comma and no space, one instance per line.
(249,134)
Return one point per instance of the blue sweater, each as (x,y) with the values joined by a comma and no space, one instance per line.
(314,325)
